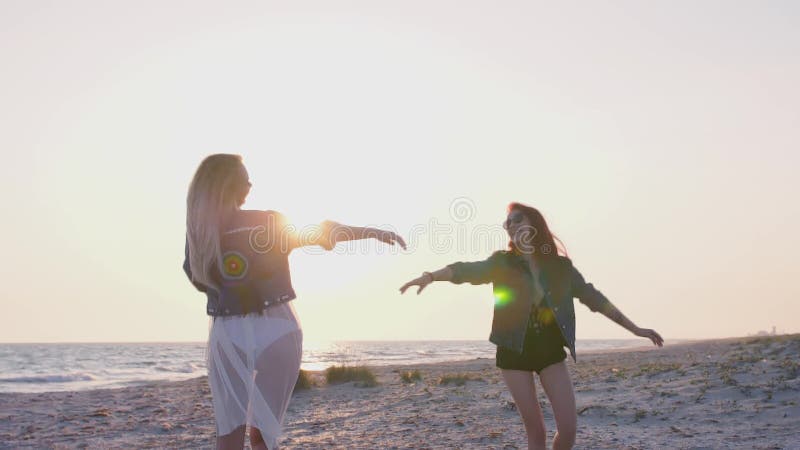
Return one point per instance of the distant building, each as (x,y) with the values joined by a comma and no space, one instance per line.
(766,333)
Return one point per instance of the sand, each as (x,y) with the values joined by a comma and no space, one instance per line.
(733,393)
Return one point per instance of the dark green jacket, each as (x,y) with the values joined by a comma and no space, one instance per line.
(513,291)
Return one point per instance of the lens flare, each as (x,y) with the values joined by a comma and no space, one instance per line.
(502,296)
(235,265)
(545,316)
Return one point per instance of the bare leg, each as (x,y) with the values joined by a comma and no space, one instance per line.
(277,368)
(232,440)
(523,391)
(256,440)
(558,387)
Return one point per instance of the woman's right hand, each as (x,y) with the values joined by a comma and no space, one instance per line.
(422,281)
(389,237)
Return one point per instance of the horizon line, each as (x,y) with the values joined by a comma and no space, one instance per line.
(385,340)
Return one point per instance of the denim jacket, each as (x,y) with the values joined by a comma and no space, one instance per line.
(513,291)
(254,273)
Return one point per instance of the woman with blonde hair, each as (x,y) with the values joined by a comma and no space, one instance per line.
(239,259)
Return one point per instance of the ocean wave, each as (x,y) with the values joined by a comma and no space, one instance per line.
(49,378)
(186,368)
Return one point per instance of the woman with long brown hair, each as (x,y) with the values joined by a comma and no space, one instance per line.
(534,318)
(239,259)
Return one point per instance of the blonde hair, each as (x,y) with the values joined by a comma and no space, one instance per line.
(218,186)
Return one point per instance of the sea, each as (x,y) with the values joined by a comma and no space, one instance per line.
(79,366)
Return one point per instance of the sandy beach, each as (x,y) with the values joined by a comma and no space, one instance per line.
(732,393)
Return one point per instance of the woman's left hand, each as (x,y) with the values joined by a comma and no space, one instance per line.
(650,334)
(389,237)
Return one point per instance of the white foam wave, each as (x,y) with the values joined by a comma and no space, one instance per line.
(50,378)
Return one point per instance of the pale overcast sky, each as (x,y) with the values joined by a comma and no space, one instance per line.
(661,141)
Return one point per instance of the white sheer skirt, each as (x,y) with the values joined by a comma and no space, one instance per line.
(253,362)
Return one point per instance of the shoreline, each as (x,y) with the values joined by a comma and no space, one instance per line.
(318,372)
(88,379)
(719,393)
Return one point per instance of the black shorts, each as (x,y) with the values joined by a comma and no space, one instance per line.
(544,346)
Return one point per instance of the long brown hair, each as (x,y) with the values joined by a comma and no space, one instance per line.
(543,240)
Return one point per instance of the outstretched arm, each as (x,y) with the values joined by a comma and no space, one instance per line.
(444,274)
(340,233)
(616,315)
(597,302)
(476,272)
(325,234)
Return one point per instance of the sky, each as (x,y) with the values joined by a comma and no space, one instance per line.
(659,139)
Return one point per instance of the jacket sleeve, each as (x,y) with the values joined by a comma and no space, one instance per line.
(588,294)
(188,270)
(281,235)
(475,272)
